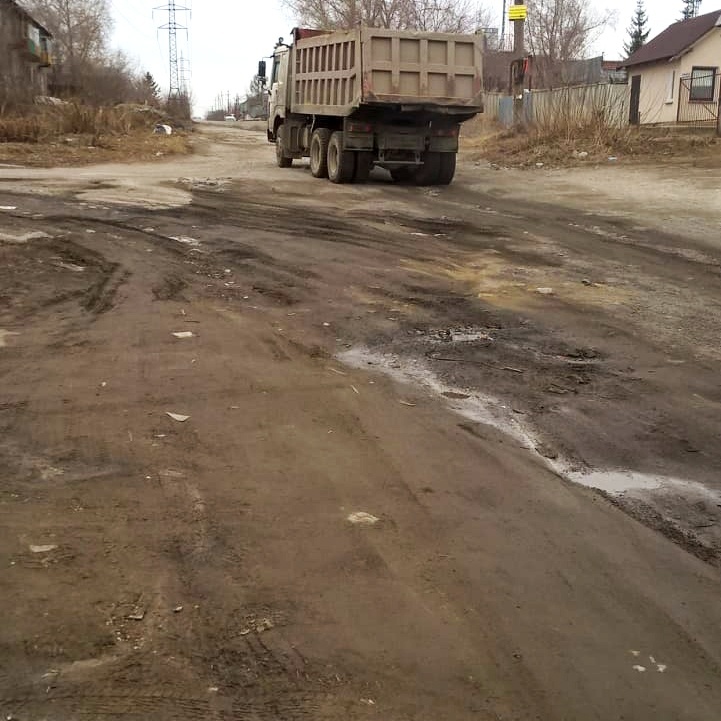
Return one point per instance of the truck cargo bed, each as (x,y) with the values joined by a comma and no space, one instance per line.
(336,73)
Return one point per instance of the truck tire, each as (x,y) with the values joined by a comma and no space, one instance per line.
(429,172)
(281,158)
(319,152)
(447,169)
(363,166)
(341,163)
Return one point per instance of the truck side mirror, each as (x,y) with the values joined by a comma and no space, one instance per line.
(261,71)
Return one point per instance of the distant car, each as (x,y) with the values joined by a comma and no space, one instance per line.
(230,118)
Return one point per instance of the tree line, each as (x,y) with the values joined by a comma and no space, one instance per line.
(84,65)
(557,30)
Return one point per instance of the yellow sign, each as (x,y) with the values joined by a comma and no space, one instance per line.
(517,12)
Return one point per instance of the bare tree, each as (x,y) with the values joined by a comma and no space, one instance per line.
(559,31)
(430,15)
(452,16)
(81,28)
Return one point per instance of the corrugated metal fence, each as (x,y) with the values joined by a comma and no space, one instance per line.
(573,106)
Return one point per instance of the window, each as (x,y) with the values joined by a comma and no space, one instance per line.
(702,84)
(671,91)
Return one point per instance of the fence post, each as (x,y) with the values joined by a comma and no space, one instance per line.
(718,118)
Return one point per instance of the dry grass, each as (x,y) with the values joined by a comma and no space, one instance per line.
(590,142)
(76,134)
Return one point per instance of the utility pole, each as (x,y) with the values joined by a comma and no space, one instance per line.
(502,44)
(172,26)
(517,14)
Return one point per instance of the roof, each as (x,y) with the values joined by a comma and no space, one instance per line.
(19,8)
(675,39)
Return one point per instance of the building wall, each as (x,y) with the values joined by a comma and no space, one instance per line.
(18,73)
(659,91)
(660,81)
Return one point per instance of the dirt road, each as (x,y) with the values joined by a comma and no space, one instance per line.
(372,501)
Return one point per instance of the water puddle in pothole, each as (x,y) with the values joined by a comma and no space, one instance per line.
(617,482)
(629,483)
(459,335)
(491,411)
(475,406)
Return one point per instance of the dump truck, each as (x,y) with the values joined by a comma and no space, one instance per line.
(352,100)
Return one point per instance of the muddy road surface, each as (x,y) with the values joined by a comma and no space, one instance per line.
(276,449)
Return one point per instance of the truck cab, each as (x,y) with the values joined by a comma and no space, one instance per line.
(277,89)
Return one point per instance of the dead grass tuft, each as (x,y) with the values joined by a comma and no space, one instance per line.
(589,142)
(76,134)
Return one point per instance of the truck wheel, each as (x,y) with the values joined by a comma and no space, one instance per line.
(341,163)
(447,169)
(319,153)
(363,166)
(402,174)
(429,172)
(281,158)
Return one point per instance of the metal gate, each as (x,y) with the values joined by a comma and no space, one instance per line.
(698,99)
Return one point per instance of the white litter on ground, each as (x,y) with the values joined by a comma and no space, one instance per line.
(362,518)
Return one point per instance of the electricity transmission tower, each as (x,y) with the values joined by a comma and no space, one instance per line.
(172,26)
(691,8)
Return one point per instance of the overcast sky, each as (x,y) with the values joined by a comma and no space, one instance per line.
(226,38)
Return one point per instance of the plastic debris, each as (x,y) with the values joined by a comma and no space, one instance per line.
(406,403)
(70,266)
(355,390)
(8,207)
(545,291)
(184,334)
(362,518)
(44,549)
(177,416)
(177,609)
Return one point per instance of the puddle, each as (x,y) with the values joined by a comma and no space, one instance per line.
(623,483)
(461,336)
(475,406)
(23,237)
(493,412)
(617,482)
